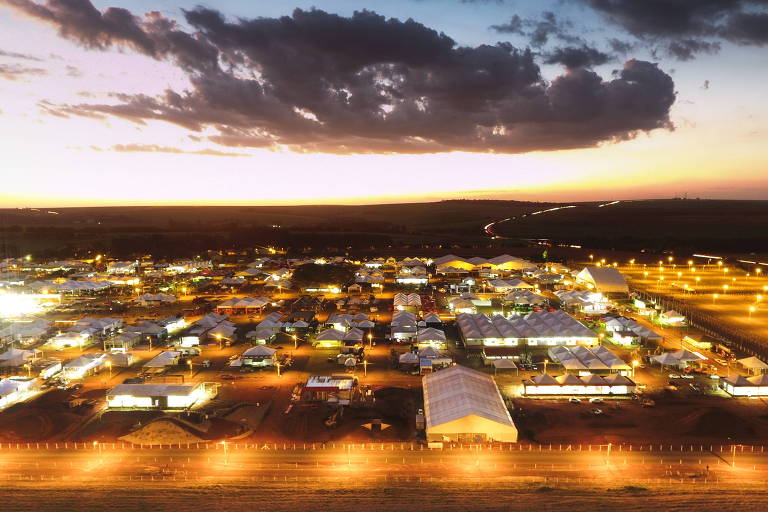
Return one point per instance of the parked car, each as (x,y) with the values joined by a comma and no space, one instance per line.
(574,400)
(596,412)
(596,400)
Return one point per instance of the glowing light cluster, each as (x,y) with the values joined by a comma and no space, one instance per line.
(15,305)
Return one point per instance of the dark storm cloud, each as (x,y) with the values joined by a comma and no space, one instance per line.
(689,27)
(153,35)
(687,49)
(316,81)
(577,57)
(539,31)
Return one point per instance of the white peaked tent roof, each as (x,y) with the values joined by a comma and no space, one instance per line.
(457,392)
(666,359)
(163,359)
(672,314)
(429,353)
(605,279)
(354,334)
(331,335)
(752,363)
(541,324)
(448,258)
(17,353)
(403,318)
(524,297)
(759,380)
(260,333)
(544,379)
(411,299)
(408,357)
(259,351)
(738,380)
(432,318)
(501,364)
(430,334)
(687,355)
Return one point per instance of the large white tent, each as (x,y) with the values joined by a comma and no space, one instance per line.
(606,280)
(463,405)
(540,328)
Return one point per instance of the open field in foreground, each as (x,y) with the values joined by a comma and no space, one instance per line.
(356,494)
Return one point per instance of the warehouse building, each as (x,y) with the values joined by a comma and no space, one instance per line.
(463,405)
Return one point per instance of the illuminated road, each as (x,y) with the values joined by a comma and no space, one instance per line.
(117,462)
(488,228)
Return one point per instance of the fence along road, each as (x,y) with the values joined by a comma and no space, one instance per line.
(67,462)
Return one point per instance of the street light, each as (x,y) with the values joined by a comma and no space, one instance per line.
(635,363)
(189,363)
(226,452)
(295,342)
(109,367)
(365,367)
(715,296)
(752,309)
(370,339)
(278,365)
(218,338)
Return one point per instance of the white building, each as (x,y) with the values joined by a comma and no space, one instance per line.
(159,396)
(16,389)
(546,384)
(463,405)
(540,328)
(606,280)
(85,365)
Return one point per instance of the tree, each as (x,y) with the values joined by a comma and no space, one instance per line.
(312,275)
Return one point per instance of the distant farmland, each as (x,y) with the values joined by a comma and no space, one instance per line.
(655,225)
(179,231)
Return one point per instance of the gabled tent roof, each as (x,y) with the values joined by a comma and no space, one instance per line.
(457,392)
(753,363)
(331,335)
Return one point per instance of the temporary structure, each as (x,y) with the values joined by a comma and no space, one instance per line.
(464,405)
(753,364)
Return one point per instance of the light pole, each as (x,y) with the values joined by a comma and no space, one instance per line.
(634,367)
(226,452)
(277,365)
(365,367)
(546,362)
(751,310)
(189,363)
(370,339)
(109,367)
(295,342)
(218,338)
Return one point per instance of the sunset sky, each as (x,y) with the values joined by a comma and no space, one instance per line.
(277,102)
